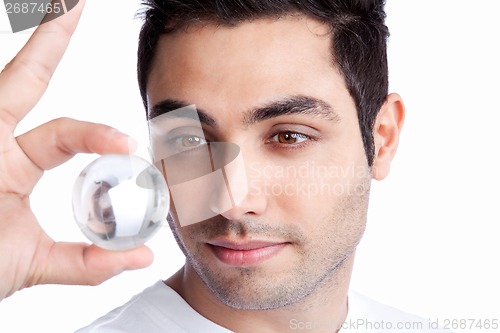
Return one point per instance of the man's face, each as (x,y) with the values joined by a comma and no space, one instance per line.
(306,167)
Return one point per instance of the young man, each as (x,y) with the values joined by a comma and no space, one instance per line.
(297,86)
(301,89)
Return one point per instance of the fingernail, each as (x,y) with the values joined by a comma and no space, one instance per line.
(131,143)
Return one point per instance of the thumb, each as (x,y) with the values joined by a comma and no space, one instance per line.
(83,264)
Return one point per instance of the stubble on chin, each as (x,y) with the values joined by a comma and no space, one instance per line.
(318,262)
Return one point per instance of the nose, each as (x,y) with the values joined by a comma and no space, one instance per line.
(236,196)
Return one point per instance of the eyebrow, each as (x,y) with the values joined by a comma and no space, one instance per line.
(170,105)
(304,105)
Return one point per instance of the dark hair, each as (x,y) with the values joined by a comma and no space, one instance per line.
(359,37)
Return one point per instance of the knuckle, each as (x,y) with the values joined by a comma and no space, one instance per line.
(7,67)
(61,121)
(40,73)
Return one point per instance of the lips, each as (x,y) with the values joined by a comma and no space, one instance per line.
(245,254)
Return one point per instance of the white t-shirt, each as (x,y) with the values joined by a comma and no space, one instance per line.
(160,309)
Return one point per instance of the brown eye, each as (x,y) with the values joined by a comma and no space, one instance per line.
(289,138)
(192,141)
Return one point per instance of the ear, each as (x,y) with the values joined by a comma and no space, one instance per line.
(386,134)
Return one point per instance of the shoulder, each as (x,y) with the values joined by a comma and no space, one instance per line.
(366,314)
(157,309)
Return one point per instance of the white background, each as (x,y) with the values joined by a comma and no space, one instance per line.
(431,246)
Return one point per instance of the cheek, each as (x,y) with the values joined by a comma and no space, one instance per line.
(304,193)
(310,194)
(180,233)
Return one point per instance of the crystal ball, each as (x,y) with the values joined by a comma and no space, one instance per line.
(120,201)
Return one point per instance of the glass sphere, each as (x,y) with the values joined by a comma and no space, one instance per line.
(120,201)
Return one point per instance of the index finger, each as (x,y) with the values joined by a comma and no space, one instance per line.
(26,77)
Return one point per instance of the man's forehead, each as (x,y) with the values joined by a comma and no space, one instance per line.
(291,29)
(245,66)
(264,45)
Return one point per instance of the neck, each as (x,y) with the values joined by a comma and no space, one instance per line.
(322,311)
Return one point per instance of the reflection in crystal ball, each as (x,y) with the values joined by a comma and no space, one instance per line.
(120,201)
